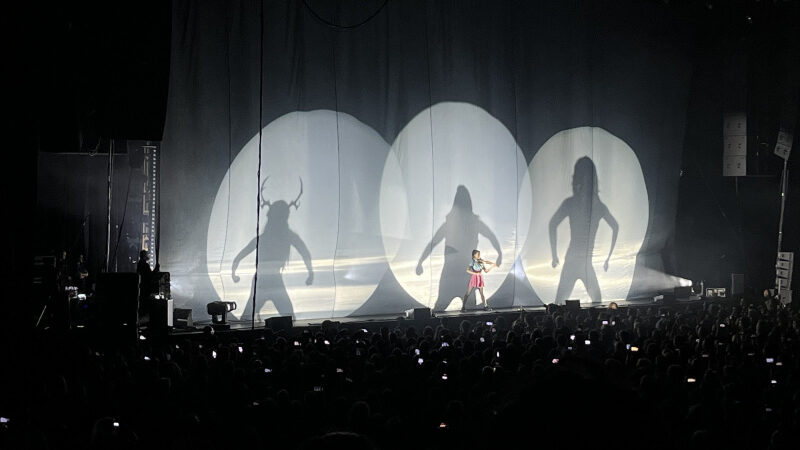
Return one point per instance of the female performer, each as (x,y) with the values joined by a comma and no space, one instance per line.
(476,269)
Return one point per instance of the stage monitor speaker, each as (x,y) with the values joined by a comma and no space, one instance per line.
(117,305)
(669,299)
(737,284)
(117,300)
(682,292)
(182,318)
(573,305)
(421,314)
(279,323)
(330,325)
(161,315)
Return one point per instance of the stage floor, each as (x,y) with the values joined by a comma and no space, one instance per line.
(471,314)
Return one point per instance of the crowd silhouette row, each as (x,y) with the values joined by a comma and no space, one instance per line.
(699,375)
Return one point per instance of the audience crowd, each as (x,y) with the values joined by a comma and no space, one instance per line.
(700,375)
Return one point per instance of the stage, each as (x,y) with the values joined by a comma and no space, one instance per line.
(375,322)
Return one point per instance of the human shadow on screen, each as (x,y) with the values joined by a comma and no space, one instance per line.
(584,210)
(274,245)
(460,232)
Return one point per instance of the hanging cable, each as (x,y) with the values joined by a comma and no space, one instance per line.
(593,44)
(433,187)
(516,165)
(260,133)
(121,225)
(108,205)
(343,27)
(339,178)
(228,205)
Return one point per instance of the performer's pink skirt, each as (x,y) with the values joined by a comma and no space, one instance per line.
(476,281)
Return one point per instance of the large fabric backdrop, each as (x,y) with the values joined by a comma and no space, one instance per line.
(398,136)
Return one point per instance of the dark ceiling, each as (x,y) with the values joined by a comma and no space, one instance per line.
(84,72)
(94,70)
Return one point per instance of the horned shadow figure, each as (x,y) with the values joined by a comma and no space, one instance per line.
(274,245)
(584,209)
(460,232)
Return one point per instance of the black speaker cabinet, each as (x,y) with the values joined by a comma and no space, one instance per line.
(573,305)
(279,323)
(682,292)
(117,301)
(421,314)
(161,314)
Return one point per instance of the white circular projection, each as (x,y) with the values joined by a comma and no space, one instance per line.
(319,191)
(621,198)
(452,183)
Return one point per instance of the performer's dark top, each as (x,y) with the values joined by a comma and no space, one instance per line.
(143,269)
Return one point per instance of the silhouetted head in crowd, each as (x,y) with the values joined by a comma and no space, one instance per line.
(339,440)
(110,434)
